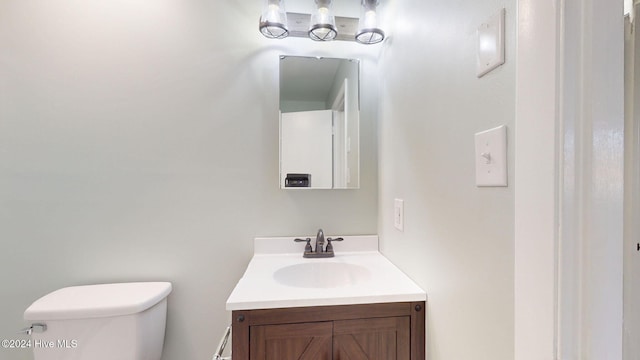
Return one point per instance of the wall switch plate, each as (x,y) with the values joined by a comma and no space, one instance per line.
(398,214)
(491,157)
(490,44)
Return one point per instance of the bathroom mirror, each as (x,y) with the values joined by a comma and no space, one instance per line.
(319,123)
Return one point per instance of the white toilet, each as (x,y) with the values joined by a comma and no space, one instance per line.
(100,322)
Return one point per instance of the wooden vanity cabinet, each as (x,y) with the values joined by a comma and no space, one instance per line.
(389,331)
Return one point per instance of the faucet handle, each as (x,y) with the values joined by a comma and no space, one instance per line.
(329,246)
(307,248)
(38,328)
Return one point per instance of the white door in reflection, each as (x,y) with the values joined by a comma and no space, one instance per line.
(306,146)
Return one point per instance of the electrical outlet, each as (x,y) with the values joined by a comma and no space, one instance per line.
(398,214)
(490,51)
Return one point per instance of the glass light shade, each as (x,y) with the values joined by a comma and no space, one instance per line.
(369,31)
(273,22)
(323,23)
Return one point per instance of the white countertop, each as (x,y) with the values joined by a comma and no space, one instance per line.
(351,277)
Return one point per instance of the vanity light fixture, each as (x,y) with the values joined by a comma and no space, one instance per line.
(369,31)
(273,22)
(323,23)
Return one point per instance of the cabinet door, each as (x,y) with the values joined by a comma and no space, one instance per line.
(306,341)
(372,339)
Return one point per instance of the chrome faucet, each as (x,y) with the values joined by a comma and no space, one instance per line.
(320,251)
(320,241)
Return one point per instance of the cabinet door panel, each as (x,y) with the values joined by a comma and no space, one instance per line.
(307,341)
(372,339)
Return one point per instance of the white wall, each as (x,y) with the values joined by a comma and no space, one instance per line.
(458,239)
(139,141)
(293,106)
(632,192)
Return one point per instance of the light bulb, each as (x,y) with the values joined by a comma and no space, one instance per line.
(323,13)
(323,24)
(273,22)
(369,31)
(273,13)
(370,19)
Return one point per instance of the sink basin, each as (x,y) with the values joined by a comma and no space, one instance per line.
(322,275)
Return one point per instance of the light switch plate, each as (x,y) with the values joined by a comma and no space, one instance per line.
(398,214)
(491,157)
(490,44)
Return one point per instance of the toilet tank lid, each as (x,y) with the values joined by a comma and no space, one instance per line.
(93,301)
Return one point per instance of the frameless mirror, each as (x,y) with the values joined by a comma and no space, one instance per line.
(319,123)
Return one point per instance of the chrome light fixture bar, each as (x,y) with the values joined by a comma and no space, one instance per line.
(299,26)
(369,31)
(276,23)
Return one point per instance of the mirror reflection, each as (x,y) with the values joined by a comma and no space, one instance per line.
(319,123)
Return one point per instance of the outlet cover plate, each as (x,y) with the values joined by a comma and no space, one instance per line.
(398,214)
(490,44)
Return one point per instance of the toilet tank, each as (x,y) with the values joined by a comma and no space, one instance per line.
(123,321)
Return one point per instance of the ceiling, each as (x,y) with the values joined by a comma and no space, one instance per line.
(307,78)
